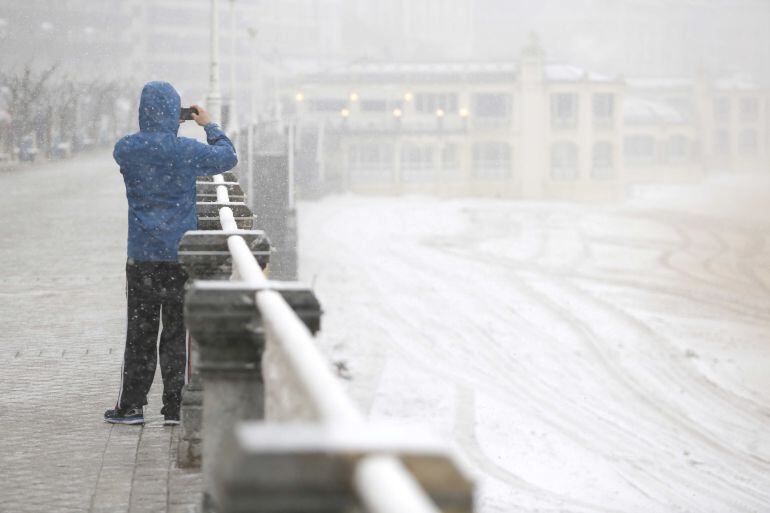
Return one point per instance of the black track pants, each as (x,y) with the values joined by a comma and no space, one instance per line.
(155,293)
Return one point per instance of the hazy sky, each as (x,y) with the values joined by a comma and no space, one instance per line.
(634,37)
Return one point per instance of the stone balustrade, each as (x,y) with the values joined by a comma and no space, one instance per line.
(263,414)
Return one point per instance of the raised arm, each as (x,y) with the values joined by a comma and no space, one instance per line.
(219,156)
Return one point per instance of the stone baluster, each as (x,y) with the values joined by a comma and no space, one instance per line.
(223,318)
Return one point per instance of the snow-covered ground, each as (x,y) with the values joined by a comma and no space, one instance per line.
(579,358)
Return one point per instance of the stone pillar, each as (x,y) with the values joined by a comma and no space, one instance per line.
(189,448)
(531,104)
(233,390)
(222,316)
(230,351)
(204,255)
(297,468)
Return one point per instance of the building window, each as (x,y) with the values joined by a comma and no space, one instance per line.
(429,103)
(492,105)
(564,110)
(722,109)
(564,161)
(374,105)
(491,160)
(450,160)
(747,142)
(371,163)
(603,109)
(416,163)
(639,149)
(677,148)
(603,168)
(721,143)
(749,109)
(327,105)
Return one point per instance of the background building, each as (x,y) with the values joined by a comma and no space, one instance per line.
(523,129)
(135,39)
(436,95)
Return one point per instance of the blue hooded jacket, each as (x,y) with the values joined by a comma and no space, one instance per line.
(159,170)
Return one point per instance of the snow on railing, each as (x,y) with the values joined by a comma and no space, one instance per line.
(258,360)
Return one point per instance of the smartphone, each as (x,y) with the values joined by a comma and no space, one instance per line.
(187,112)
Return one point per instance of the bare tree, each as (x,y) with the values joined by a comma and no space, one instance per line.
(56,107)
(23,94)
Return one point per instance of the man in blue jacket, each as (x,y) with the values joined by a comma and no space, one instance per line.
(159,170)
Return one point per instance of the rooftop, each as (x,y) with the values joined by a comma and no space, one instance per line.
(643,111)
(452,71)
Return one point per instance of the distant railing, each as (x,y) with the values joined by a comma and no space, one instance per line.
(274,427)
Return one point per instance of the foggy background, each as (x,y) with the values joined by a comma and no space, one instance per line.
(71,73)
(169,38)
(539,228)
(133,41)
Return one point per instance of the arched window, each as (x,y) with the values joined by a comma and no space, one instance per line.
(371,163)
(639,149)
(747,141)
(564,110)
(491,160)
(564,161)
(677,148)
(416,163)
(450,161)
(603,167)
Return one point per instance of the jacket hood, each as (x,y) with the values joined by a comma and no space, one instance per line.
(159,108)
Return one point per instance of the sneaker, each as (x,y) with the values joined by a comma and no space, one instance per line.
(124,416)
(170,416)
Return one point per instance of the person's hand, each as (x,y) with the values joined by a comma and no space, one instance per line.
(203,118)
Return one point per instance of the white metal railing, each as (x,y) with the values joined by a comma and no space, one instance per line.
(382,482)
(385,486)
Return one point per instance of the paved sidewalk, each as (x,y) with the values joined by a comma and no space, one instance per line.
(62,306)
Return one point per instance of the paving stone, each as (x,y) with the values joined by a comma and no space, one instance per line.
(62,302)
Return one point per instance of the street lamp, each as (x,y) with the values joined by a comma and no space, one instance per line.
(440,118)
(299,97)
(253,73)
(232,119)
(353,97)
(214,98)
(397,113)
(253,112)
(464,115)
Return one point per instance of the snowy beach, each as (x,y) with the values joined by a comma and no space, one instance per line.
(578,357)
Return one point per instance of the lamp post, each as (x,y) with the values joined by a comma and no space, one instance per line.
(397,113)
(232,115)
(440,118)
(440,158)
(464,114)
(252,112)
(214,98)
(292,143)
